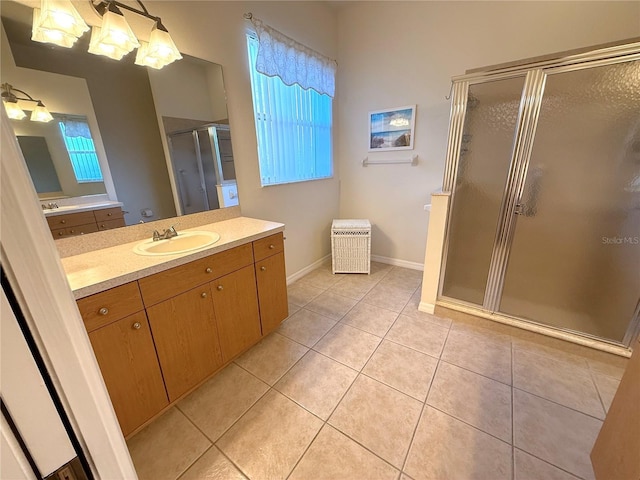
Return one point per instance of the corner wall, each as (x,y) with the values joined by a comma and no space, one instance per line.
(399,53)
(215,31)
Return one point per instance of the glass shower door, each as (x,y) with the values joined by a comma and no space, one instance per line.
(574,260)
(486,151)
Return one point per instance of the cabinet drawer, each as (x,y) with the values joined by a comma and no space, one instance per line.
(111,305)
(174,281)
(108,214)
(71,220)
(265,247)
(109,224)
(82,229)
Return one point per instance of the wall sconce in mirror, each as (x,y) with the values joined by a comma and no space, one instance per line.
(59,23)
(10,100)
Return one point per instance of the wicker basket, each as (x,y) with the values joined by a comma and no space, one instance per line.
(351,246)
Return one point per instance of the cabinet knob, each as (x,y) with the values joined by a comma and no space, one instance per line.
(272,246)
(102,226)
(203,294)
(109,214)
(103,311)
(63,221)
(263,268)
(208,270)
(60,233)
(220,288)
(136,326)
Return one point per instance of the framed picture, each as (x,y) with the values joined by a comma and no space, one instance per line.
(392,129)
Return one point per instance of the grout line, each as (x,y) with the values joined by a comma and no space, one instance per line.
(595,384)
(424,405)
(181,474)
(548,463)
(557,403)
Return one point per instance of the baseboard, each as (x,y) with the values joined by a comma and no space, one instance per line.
(309,268)
(398,263)
(427,307)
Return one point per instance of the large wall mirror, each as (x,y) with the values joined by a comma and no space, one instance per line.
(161,139)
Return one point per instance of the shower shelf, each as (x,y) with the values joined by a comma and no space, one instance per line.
(413,161)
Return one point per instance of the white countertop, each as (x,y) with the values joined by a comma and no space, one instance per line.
(100,270)
(51,212)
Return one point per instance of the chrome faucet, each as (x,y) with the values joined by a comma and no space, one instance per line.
(49,205)
(168,233)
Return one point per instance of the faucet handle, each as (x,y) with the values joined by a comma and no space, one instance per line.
(156,235)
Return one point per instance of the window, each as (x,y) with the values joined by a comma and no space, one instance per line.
(293,127)
(82,154)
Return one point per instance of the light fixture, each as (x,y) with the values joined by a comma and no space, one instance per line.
(159,51)
(114,38)
(41,114)
(10,100)
(57,22)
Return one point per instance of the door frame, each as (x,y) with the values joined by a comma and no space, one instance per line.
(32,265)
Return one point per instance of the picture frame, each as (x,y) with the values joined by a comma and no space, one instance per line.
(392,129)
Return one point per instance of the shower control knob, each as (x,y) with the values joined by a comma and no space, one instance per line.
(103,311)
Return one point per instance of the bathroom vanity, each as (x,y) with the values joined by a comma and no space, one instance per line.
(162,325)
(67,222)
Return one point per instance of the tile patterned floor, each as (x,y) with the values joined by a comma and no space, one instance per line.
(358,384)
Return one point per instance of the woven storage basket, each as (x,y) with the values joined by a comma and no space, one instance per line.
(351,246)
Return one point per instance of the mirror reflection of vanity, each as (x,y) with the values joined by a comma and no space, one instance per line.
(161,137)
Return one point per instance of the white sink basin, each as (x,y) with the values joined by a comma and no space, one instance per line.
(184,242)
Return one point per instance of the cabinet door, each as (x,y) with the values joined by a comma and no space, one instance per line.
(272,292)
(186,338)
(236,306)
(129,365)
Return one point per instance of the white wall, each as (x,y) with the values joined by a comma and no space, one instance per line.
(399,53)
(215,31)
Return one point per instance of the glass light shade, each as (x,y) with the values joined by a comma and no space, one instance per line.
(41,114)
(114,37)
(105,49)
(44,35)
(159,51)
(57,22)
(14,111)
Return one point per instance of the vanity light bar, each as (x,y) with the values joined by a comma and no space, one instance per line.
(58,22)
(10,100)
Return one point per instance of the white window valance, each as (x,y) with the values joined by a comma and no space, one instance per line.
(76,128)
(281,56)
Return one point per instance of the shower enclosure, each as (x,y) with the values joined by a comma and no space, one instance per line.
(203,168)
(543,169)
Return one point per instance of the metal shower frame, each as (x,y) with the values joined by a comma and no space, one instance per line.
(535,73)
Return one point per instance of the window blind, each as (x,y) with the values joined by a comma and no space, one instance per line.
(293,128)
(84,160)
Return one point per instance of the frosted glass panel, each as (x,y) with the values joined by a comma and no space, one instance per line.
(575,256)
(485,155)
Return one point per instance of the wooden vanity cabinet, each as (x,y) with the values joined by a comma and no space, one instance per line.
(157,338)
(129,366)
(71,224)
(271,279)
(236,306)
(186,338)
